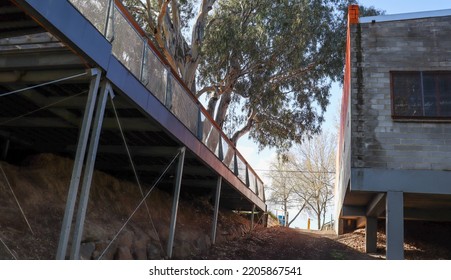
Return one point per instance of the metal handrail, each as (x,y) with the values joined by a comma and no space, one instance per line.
(109,20)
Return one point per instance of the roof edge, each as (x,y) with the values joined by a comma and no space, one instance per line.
(407,16)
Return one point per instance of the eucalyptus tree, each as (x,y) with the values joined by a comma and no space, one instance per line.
(264,67)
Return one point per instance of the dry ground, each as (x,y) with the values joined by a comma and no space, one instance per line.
(280,243)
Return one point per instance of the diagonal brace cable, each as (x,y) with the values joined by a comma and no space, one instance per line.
(43,84)
(134,168)
(7,248)
(139,205)
(17,201)
(42,108)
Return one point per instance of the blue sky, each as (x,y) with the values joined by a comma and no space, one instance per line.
(260,161)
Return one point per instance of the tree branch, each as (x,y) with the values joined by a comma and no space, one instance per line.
(250,123)
(159,34)
(197,37)
(150,17)
(297,214)
(175,16)
(282,77)
(205,90)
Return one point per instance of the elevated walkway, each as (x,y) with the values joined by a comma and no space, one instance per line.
(80,79)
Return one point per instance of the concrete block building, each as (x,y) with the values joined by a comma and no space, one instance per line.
(394,154)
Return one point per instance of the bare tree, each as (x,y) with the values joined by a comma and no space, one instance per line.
(283,190)
(314,163)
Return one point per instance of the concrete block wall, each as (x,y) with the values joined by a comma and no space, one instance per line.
(377,48)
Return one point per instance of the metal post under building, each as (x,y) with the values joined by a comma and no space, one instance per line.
(78,164)
(175,203)
(216,211)
(252,217)
(106,91)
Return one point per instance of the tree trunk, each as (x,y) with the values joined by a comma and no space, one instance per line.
(319,220)
(285,207)
(297,214)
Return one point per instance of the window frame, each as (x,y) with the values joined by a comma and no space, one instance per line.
(422,118)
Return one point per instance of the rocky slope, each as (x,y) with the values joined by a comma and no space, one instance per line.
(40,185)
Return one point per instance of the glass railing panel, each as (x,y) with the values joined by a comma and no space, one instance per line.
(241,169)
(127,44)
(184,107)
(226,149)
(252,182)
(210,135)
(261,190)
(94,10)
(154,75)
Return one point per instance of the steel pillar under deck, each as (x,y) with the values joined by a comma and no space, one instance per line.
(78,164)
(175,203)
(216,211)
(106,91)
(252,217)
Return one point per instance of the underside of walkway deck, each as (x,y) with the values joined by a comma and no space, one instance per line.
(61,59)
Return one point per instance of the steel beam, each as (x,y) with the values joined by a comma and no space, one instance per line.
(78,165)
(216,211)
(168,92)
(197,170)
(15,60)
(175,203)
(106,90)
(395,225)
(129,124)
(252,217)
(78,102)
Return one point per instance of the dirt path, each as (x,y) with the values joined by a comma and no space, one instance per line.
(278,243)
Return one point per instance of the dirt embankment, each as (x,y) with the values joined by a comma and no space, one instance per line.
(41,185)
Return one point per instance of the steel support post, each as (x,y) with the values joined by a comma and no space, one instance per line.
(220,149)
(395,225)
(168,98)
(247,178)
(216,212)
(200,127)
(109,22)
(175,203)
(78,164)
(252,217)
(235,163)
(106,90)
(265,220)
(371,235)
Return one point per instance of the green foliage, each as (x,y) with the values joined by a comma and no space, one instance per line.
(270,62)
(280,57)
